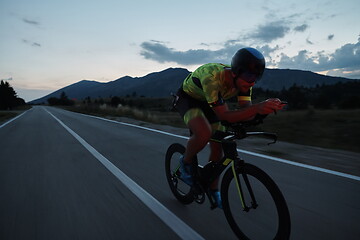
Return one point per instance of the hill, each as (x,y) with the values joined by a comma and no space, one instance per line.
(161,84)
(277,79)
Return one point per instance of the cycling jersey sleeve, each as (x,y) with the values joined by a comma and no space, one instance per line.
(212,91)
(244,99)
(245,96)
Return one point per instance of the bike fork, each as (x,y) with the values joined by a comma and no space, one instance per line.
(240,191)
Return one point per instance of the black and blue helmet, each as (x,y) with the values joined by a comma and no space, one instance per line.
(248,61)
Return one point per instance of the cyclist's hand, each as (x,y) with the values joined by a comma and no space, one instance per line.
(269,106)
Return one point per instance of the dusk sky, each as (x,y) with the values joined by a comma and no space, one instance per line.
(47,45)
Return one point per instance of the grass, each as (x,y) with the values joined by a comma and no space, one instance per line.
(335,129)
(5,115)
(152,116)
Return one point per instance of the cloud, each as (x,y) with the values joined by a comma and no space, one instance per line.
(345,59)
(31,22)
(158,51)
(301,28)
(270,31)
(34,44)
(278,28)
(309,42)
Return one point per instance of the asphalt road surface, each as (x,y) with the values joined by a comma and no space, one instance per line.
(69,176)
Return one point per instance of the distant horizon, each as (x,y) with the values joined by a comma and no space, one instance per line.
(48,92)
(30,93)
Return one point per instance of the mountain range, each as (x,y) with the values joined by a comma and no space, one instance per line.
(162,84)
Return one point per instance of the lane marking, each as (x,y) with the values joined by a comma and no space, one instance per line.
(13,119)
(169,218)
(319,169)
(345,175)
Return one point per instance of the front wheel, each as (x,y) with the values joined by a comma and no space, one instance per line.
(180,189)
(254,205)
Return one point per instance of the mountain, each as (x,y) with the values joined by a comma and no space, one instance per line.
(277,79)
(158,84)
(161,84)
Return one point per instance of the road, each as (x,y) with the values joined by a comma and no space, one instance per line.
(54,185)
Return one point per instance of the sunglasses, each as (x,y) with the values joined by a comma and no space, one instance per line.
(249,77)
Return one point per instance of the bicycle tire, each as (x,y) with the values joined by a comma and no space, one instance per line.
(172,159)
(283,225)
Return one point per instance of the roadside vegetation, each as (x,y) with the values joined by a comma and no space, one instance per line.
(4,116)
(8,97)
(10,104)
(329,128)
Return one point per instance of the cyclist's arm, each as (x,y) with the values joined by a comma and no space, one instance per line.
(224,114)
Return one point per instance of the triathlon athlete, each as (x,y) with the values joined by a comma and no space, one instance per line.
(202,106)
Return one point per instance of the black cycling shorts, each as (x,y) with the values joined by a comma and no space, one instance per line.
(189,108)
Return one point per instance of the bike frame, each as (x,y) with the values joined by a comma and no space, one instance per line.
(239,178)
(205,175)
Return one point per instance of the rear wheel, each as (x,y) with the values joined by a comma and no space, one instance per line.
(266,215)
(180,189)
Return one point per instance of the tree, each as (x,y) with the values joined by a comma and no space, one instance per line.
(53,101)
(295,96)
(8,97)
(322,101)
(63,100)
(351,102)
(87,100)
(115,101)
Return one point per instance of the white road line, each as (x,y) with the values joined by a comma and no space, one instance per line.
(319,169)
(170,219)
(13,119)
(345,175)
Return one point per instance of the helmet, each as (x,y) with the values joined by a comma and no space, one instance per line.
(249,63)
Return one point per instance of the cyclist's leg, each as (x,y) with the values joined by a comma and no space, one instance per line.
(191,110)
(201,133)
(215,147)
(216,152)
(215,155)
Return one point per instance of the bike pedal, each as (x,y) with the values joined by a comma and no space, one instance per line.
(199,198)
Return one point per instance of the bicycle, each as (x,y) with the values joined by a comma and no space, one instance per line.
(247,181)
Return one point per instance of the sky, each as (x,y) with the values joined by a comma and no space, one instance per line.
(46,44)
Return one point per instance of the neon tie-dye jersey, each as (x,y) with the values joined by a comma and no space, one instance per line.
(207,83)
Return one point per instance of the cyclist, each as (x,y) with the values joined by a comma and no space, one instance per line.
(202,106)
